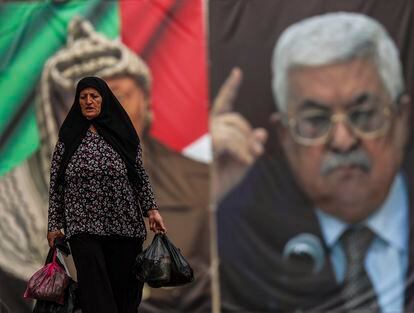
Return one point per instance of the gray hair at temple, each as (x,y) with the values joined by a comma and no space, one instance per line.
(333,38)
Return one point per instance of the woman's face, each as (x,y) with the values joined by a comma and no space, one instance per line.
(90,101)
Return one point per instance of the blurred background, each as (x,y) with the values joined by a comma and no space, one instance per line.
(176,54)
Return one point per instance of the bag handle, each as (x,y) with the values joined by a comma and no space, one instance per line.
(54,255)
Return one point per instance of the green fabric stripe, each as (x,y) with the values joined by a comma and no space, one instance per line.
(29,34)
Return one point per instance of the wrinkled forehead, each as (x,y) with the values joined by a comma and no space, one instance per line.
(87,90)
(339,83)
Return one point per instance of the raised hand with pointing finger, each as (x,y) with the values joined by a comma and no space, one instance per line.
(236,145)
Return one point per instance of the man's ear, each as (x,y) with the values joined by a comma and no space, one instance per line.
(149,116)
(404,105)
(276,120)
(404,110)
(402,118)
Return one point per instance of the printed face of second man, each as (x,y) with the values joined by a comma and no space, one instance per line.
(349,192)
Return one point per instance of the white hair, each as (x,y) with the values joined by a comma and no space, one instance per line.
(334,38)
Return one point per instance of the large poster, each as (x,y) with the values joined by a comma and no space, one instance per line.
(314,202)
(153,56)
(289,120)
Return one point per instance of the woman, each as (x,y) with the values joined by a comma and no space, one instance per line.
(99,193)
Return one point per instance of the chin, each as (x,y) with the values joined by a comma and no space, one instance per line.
(355,216)
(352,202)
(347,200)
(348,207)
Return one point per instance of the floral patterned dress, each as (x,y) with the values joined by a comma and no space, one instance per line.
(97,197)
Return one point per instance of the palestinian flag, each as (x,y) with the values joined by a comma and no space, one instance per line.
(169,35)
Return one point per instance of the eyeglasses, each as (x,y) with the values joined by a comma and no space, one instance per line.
(314,126)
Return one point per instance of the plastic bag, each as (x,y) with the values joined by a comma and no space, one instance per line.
(70,304)
(162,264)
(153,265)
(181,271)
(48,283)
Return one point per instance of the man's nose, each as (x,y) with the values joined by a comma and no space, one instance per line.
(342,137)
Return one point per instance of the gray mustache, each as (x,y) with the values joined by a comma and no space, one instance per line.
(335,160)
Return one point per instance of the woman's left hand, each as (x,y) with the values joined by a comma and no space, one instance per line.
(156,224)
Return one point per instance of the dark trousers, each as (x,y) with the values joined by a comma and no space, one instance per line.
(104,268)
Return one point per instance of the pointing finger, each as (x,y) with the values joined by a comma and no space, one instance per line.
(228,92)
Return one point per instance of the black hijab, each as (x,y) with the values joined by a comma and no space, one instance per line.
(112,123)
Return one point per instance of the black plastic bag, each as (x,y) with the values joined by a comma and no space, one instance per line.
(62,245)
(153,265)
(162,265)
(181,271)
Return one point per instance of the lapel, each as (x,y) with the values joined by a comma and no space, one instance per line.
(291,215)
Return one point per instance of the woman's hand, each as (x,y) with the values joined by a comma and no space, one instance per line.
(52,235)
(156,224)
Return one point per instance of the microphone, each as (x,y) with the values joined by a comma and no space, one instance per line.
(305,250)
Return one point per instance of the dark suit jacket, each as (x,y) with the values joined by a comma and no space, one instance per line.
(255,221)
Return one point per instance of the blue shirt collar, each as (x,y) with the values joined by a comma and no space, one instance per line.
(389,222)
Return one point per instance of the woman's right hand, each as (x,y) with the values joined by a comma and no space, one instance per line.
(52,235)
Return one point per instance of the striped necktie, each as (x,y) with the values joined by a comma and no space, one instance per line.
(357,292)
